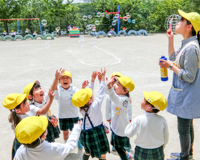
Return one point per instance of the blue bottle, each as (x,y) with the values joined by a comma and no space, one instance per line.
(163,71)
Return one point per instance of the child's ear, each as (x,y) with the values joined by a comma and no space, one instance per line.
(30,97)
(17,111)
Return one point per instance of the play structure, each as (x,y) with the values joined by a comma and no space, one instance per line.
(115,21)
(17,36)
(74,32)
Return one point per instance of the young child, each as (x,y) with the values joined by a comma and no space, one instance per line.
(32,131)
(93,137)
(119,95)
(39,98)
(108,108)
(19,109)
(34,34)
(150,128)
(26,31)
(67,113)
(13,33)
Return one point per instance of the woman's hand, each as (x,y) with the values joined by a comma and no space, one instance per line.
(164,63)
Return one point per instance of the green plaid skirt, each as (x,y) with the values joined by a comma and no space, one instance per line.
(149,154)
(15,146)
(95,141)
(118,141)
(67,123)
(53,132)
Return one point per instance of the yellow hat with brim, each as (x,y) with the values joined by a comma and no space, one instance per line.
(127,82)
(11,101)
(116,74)
(67,73)
(157,99)
(12,31)
(30,129)
(193,17)
(28,88)
(80,98)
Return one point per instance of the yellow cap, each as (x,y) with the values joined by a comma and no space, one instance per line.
(116,74)
(127,82)
(28,88)
(67,73)
(34,31)
(12,31)
(26,28)
(30,128)
(157,99)
(4,31)
(193,17)
(13,100)
(80,98)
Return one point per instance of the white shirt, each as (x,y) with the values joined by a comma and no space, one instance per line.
(26,31)
(151,130)
(40,105)
(94,111)
(108,109)
(119,108)
(50,151)
(65,106)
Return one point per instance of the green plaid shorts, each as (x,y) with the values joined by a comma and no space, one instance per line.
(118,141)
(149,154)
(95,141)
(67,123)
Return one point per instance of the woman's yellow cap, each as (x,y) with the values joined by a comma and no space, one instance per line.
(31,128)
(193,17)
(157,99)
(127,82)
(11,101)
(80,98)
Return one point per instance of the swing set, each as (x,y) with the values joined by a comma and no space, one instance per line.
(23,19)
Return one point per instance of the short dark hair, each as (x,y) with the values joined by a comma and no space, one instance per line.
(127,94)
(85,107)
(35,143)
(35,86)
(154,110)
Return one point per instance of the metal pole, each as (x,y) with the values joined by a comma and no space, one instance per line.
(40,27)
(18,27)
(118,19)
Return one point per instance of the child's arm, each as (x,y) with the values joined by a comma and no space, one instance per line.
(121,102)
(166,133)
(108,109)
(46,107)
(170,36)
(93,77)
(85,84)
(57,77)
(131,128)
(130,110)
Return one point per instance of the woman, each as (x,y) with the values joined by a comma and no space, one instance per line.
(184,95)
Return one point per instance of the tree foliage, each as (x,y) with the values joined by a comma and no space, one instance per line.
(149,14)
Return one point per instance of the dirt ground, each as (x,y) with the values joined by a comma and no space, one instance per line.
(23,62)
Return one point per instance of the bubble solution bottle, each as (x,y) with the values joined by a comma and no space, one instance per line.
(163,71)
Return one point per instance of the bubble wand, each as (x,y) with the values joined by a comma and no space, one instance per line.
(170,24)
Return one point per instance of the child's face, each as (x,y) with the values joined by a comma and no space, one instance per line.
(65,81)
(181,26)
(24,107)
(119,89)
(38,94)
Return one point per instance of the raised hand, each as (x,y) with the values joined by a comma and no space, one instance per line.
(109,82)
(94,75)
(59,73)
(51,94)
(85,84)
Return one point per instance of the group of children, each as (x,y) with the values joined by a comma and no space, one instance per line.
(13,33)
(36,128)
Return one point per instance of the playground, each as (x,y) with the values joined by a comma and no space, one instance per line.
(135,56)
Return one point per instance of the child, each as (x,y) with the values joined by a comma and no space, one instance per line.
(34,34)
(19,107)
(13,33)
(4,33)
(119,95)
(150,128)
(26,31)
(32,131)
(67,113)
(183,100)
(108,107)
(93,137)
(39,99)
